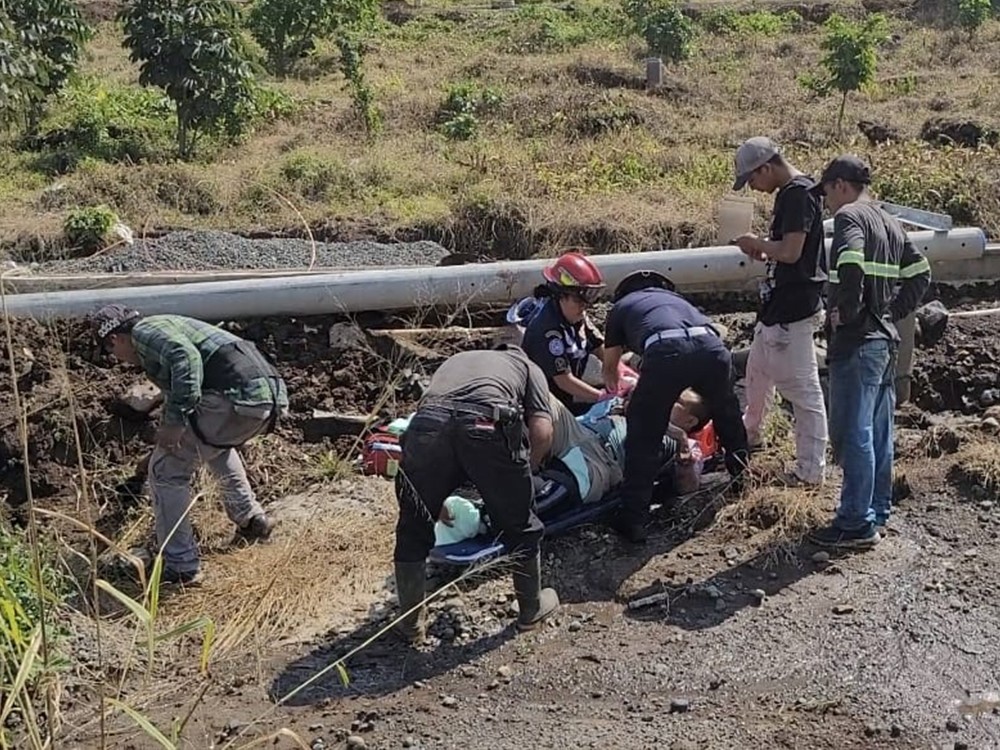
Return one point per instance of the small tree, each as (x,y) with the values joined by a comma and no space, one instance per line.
(973,13)
(667,31)
(54,33)
(19,73)
(851,56)
(351,56)
(288,29)
(193,51)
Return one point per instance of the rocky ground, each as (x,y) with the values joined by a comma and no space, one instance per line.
(759,642)
(208,250)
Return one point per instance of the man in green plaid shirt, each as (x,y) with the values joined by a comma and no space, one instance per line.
(219,392)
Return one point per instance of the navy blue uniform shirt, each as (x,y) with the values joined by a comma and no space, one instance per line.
(637,316)
(558,347)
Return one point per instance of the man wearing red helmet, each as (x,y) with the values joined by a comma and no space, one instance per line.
(560,337)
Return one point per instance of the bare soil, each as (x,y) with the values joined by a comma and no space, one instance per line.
(869,650)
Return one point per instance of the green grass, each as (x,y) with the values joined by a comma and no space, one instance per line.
(24,599)
(541,108)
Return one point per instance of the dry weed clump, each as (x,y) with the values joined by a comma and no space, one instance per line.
(778,516)
(781,515)
(937,441)
(977,467)
(319,565)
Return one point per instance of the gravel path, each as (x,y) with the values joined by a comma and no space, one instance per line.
(193,251)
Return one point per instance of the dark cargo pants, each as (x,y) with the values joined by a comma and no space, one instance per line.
(442,448)
(702,363)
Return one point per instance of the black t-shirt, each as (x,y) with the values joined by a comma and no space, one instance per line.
(558,346)
(794,291)
(637,316)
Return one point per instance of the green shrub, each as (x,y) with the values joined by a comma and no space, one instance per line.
(111,123)
(669,33)
(317,178)
(463,106)
(973,13)
(289,29)
(273,104)
(546,28)
(88,228)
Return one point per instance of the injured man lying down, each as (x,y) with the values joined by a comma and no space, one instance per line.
(579,481)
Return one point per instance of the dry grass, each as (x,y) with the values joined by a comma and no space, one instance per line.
(936,441)
(315,570)
(977,465)
(775,516)
(778,516)
(540,167)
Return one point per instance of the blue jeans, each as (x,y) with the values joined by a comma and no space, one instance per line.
(862,403)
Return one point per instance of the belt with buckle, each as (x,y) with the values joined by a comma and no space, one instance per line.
(678,333)
(497,413)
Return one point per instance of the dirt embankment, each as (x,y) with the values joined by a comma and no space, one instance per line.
(352,373)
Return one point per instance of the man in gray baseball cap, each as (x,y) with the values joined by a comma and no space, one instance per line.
(753,154)
(782,355)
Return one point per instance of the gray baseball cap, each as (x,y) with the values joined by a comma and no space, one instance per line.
(752,154)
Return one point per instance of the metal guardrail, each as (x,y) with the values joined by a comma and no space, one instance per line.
(915,217)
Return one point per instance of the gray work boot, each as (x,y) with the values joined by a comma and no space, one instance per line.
(258,528)
(534,602)
(410,584)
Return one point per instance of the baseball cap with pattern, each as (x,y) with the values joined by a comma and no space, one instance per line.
(108,318)
(753,154)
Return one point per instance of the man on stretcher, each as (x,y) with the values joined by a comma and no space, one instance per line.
(586,464)
(590,448)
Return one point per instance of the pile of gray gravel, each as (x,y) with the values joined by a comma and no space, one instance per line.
(210,250)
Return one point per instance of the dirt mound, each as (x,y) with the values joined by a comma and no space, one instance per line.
(58,378)
(945,132)
(962,371)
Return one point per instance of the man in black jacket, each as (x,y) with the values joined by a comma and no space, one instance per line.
(877,278)
(680,349)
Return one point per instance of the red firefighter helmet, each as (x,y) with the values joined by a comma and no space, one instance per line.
(574,273)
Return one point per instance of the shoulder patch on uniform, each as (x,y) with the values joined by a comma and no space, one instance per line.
(556,347)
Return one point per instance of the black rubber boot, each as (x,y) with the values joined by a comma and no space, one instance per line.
(633,531)
(411,579)
(534,602)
